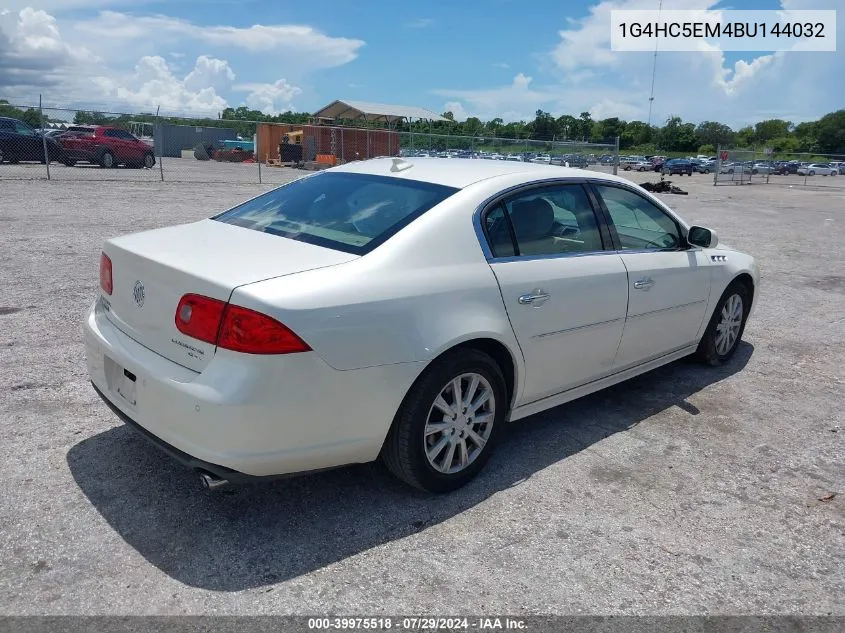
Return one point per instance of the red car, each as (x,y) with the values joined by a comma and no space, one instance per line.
(106,146)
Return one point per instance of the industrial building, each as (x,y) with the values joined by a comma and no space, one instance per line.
(345,130)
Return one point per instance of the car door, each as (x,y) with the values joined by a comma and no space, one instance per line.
(134,147)
(564,292)
(669,282)
(29,143)
(116,144)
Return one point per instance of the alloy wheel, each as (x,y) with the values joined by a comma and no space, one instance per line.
(459,423)
(727,330)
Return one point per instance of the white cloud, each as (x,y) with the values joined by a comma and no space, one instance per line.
(696,86)
(270,98)
(122,70)
(153,84)
(34,51)
(457,110)
(310,48)
(210,73)
(501,65)
(515,101)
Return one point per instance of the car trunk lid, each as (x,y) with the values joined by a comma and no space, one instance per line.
(152,270)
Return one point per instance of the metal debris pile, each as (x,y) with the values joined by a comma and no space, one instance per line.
(664,186)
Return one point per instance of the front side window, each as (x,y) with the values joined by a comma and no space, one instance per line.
(25,130)
(348,212)
(556,220)
(639,223)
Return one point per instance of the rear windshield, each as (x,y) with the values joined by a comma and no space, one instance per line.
(347,212)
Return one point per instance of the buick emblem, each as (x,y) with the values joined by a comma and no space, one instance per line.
(138,293)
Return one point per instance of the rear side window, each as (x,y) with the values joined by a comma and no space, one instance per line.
(353,213)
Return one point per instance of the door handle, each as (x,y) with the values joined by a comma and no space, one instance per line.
(538,297)
(643,284)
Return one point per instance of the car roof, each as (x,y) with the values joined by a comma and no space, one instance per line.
(460,173)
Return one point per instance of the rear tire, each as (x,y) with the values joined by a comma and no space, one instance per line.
(727,325)
(107,160)
(411,451)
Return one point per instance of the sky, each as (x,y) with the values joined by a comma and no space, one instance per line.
(483,58)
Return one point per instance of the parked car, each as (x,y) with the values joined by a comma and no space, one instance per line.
(106,146)
(817,169)
(636,165)
(704,166)
(542,159)
(19,142)
(283,336)
(572,160)
(678,166)
(737,167)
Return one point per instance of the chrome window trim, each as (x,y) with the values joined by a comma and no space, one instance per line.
(645,194)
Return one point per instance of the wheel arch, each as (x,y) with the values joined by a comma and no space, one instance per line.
(506,358)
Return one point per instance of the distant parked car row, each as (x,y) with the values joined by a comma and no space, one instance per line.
(573,160)
(97,144)
(781,168)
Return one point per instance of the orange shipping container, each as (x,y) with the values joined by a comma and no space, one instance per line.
(344,143)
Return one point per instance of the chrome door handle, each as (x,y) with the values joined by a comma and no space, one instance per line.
(643,284)
(538,298)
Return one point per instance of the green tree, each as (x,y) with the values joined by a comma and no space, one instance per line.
(677,136)
(544,126)
(771,128)
(745,137)
(830,133)
(707,149)
(636,133)
(714,133)
(567,126)
(585,126)
(607,130)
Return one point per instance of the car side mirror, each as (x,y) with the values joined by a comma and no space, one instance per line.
(703,237)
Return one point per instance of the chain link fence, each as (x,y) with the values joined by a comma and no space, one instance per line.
(741,167)
(76,145)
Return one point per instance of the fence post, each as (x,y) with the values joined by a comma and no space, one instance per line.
(718,164)
(257,154)
(616,157)
(44,138)
(160,145)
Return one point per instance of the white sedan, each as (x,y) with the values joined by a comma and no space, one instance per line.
(817,169)
(403,309)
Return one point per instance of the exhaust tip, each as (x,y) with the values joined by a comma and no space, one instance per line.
(212,482)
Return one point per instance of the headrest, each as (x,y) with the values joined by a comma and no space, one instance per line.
(532,219)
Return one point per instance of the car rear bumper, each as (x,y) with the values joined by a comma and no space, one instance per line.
(247,415)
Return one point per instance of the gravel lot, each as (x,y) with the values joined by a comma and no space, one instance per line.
(688,490)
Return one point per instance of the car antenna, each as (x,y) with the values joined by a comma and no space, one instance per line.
(400,165)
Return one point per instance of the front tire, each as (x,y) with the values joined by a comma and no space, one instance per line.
(724,332)
(448,424)
(149,160)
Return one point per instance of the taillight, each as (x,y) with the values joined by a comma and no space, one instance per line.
(105,273)
(199,317)
(235,328)
(251,332)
